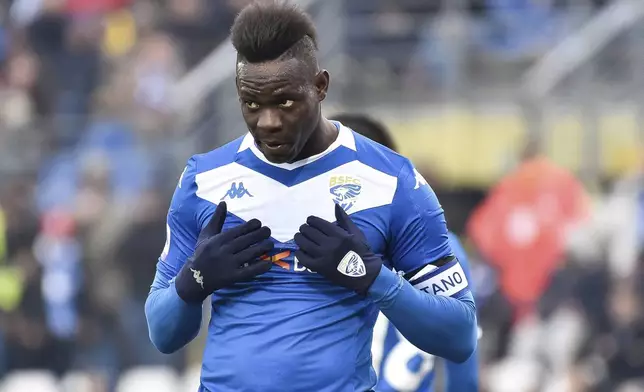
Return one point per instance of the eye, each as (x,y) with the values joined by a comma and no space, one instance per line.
(286,103)
(251,105)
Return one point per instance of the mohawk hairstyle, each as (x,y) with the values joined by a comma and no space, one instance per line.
(267,30)
(367,127)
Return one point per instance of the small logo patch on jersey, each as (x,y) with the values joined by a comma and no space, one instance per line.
(166,247)
(345,190)
(197,275)
(181,177)
(237,191)
(420,180)
(352,265)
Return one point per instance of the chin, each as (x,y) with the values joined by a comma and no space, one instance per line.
(280,157)
(277,159)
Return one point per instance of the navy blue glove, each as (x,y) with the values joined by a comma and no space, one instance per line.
(339,252)
(222,259)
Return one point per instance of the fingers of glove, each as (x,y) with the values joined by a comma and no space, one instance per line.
(216,222)
(345,222)
(307,245)
(307,260)
(249,254)
(240,230)
(246,240)
(254,269)
(314,235)
(325,227)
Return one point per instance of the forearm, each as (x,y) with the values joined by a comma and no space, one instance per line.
(463,377)
(441,326)
(172,323)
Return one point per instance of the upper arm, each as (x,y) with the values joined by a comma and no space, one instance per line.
(461,256)
(182,229)
(419,243)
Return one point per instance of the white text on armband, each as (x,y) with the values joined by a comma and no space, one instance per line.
(446,283)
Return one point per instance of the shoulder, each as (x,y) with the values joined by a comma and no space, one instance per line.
(378,156)
(200,163)
(410,186)
(218,157)
(389,162)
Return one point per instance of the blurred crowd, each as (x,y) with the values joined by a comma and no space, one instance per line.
(88,161)
(90,151)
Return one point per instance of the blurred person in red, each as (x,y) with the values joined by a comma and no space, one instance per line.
(522,225)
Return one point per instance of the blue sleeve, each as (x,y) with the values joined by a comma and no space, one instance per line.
(173,323)
(433,307)
(462,377)
(418,230)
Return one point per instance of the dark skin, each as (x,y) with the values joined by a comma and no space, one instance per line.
(281,105)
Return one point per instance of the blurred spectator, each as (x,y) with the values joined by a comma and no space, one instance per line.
(157,67)
(137,252)
(16,102)
(522,226)
(614,235)
(198,26)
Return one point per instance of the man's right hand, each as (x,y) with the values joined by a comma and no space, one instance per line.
(222,259)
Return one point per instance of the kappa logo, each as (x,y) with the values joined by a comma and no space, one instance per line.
(166,247)
(237,191)
(352,265)
(345,190)
(197,275)
(183,173)
(420,181)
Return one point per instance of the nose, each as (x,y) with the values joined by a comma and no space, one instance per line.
(269,120)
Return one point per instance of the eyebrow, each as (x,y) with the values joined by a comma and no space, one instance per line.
(288,91)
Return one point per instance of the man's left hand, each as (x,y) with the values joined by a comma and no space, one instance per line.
(338,251)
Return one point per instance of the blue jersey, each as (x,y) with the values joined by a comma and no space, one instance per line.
(292,329)
(402,367)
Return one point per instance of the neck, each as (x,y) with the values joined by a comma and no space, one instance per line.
(323,136)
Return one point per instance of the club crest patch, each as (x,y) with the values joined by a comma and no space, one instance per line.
(345,190)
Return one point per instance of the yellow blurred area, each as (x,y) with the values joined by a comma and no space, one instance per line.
(120,33)
(11,283)
(475,148)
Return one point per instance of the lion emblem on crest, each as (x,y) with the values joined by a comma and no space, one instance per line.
(345,191)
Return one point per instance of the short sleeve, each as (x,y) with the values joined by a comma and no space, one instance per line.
(418,230)
(182,227)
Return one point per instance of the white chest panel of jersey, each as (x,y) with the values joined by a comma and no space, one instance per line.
(283,208)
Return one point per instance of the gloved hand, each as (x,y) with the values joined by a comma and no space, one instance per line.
(222,259)
(339,252)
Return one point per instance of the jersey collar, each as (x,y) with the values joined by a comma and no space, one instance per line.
(345,138)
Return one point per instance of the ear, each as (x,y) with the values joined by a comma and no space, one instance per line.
(321,81)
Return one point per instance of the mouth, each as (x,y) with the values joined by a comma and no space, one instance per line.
(276,147)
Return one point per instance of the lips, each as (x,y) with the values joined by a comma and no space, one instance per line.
(275,145)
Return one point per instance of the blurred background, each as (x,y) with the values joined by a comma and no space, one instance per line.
(525,116)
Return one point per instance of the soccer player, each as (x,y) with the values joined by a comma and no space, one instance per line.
(295,230)
(401,366)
